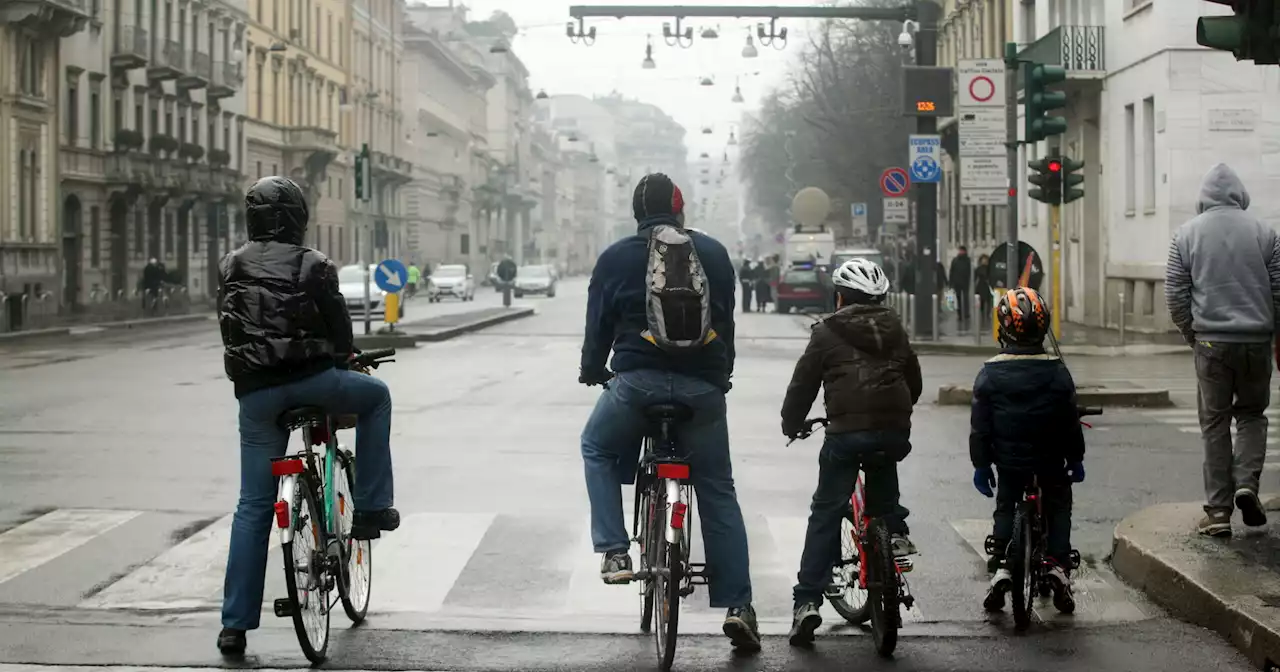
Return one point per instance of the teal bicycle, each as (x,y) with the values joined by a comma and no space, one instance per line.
(314,511)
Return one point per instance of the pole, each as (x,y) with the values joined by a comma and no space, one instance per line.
(928,14)
(368,307)
(1011,142)
(1055,232)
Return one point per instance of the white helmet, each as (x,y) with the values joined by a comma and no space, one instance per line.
(862,275)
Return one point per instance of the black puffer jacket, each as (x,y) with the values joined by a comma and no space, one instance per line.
(282,316)
(1024,413)
(863,360)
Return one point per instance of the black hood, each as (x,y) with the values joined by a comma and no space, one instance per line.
(276,209)
(875,330)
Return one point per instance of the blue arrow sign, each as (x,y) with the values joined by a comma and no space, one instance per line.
(391,275)
(924,158)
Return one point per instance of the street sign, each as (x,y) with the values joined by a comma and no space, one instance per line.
(391,276)
(894,182)
(925,158)
(984,174)
(858,209)
(897,211)
(858,217)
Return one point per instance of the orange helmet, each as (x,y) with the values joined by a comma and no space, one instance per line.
(1023,317)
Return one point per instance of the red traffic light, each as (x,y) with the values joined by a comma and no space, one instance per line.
(1055,166)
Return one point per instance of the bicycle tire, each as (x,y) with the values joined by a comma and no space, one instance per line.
(1021,569)
(355,585)
(882,590)
(305,522)
(646,560)
(847,575)
(666,589)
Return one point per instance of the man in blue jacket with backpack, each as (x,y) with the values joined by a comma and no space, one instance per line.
(662,300)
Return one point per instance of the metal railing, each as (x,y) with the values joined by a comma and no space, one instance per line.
(201,64)
(133,42)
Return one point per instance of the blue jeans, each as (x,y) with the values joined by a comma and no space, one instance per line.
(611,444)
(261,438)
(841,457)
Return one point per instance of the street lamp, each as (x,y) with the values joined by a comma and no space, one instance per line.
(737,94)
(709,34)
(750,50)
(707,81)
(648,63)
(542,94)
(500,47)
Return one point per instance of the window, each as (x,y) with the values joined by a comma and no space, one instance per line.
(260,92)
(95,237)
(117,111)
(168,117)
(464,246)
(23,206)
(1130,161)
(275,15)
(182,124)
(73,107)
(31,66)
(139,231)
(1149,154)
(168,233)
(226,132)
(259,9)
(95,114)
(34,185)
(195,128)
(260,169)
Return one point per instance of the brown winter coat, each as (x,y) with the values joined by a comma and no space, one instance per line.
(862,358)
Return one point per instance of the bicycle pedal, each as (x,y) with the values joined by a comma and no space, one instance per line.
(283,607)
(686,591)
(908,601)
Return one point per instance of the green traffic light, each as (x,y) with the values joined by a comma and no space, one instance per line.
(1225,33)
(1048,74)
(1039,101)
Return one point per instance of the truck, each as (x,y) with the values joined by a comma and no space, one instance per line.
(809,245)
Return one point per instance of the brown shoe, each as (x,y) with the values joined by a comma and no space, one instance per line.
(1215,524)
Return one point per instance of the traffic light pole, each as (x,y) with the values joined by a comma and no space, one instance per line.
(1055,235)
(1011,143)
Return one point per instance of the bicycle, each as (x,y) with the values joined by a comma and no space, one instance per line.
(1026,553)
(867,572)
(314,511)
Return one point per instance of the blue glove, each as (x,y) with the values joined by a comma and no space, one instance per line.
(1077,472)
(984,480)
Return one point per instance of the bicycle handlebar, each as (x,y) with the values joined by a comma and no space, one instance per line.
(1082,411)
(809,426)
(372,358)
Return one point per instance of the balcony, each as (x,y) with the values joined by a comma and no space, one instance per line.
(130,49)
(1078,49)
(49,18)
(129,170)
(166,61)
(197,70)
(198,178)
(227,79)
(393,169)
(312,139)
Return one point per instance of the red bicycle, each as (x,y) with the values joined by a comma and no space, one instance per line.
(867,583)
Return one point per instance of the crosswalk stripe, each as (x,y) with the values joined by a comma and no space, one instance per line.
(38,541)
(187,576)
(587,594)
(1099,597)
(434,555)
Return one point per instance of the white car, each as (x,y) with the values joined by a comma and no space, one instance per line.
(535,280)
(453,280)
(351,284)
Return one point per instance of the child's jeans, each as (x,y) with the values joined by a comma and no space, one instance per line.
(1055,492)
(877,453)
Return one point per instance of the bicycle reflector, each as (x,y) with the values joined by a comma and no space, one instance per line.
(282,514)
(319,435)
(677,472)
(286,467)
(678,511)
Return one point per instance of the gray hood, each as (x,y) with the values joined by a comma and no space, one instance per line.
(1222,188)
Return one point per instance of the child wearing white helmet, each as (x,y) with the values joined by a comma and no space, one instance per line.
(862,359)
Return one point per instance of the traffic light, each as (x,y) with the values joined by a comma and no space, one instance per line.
(1247,33)
(1047,176)
(1070,178)
(1039,100)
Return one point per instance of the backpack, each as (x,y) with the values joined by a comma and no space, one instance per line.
(678,305)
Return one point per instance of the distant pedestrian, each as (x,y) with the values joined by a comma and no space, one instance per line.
(961,269)
(415,276)
(1222,287)
(982,287)
(764,292)
(152,282)
(747,279)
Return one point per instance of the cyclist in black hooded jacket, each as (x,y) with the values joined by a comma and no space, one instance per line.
(287,338)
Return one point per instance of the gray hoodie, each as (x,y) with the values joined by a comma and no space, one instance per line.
(1222,282)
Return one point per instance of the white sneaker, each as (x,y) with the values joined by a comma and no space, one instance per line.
(1001,583)
(1063,598)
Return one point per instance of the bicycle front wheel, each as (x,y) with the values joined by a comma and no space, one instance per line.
(1022,568)
(846,594)
(305,576)
(882,589)
(356,581)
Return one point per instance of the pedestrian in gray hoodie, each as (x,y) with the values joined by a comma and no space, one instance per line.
(1222,286)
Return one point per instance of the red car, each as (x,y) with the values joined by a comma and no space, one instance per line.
(801,288)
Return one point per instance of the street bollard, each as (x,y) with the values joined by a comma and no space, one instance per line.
(977,319)
(4,313)
(1122,319)
(934,300)
(911,315)
(506,295)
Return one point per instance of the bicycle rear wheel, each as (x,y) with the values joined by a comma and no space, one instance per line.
(849,598)
(882,590)
(356,583)
(644,507)
(305,576)
(1022,568)
(667,577)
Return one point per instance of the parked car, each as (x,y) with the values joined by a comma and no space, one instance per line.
(351,284)
(492,279)
(452,280)
(800,287)
(535,280)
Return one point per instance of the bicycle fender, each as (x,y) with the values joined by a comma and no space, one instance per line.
(673,496)
(288,494)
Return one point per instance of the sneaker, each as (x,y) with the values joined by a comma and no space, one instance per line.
(1001,583)
(741,628)
(804,623)
(902,546)
(615,568)
(371,524)
(1060,583)
(1250,508)
(231,642)
(1215,524)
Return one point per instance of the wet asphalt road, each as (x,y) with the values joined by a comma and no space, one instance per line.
(131,439)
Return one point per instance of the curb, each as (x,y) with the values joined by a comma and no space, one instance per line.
(398,341)
(93,327)
(15,336)
(1244,620)
(959,395)
(475,325)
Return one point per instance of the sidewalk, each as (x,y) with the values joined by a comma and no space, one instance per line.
(1229,586)
(441,327)
(94,327)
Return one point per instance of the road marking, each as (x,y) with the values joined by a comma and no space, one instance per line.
(187,576)
(1100,598)
(424,558)
(38,541)
(587,593)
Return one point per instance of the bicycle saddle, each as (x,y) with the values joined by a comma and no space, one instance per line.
(675,412)
(303,416)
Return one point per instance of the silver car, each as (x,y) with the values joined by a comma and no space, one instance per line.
(451,280)
(535,280)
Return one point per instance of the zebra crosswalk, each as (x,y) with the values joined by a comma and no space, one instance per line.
(1187,421)
(440,570)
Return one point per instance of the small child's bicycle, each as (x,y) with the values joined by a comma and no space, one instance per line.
(867,582)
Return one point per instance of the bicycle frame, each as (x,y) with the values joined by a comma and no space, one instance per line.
(903,565)
(312,436)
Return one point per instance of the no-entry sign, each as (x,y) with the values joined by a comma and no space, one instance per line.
(981,83)
(894,182)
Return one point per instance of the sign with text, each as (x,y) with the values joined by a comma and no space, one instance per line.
(897,213)
(927,91)
(983,122)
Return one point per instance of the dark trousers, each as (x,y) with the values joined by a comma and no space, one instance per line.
(964,306)
(841,457)
(1234,381)
(746,296)
(984,301)
(1055,493)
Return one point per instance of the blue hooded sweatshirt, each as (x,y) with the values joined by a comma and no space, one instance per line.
(616,311)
